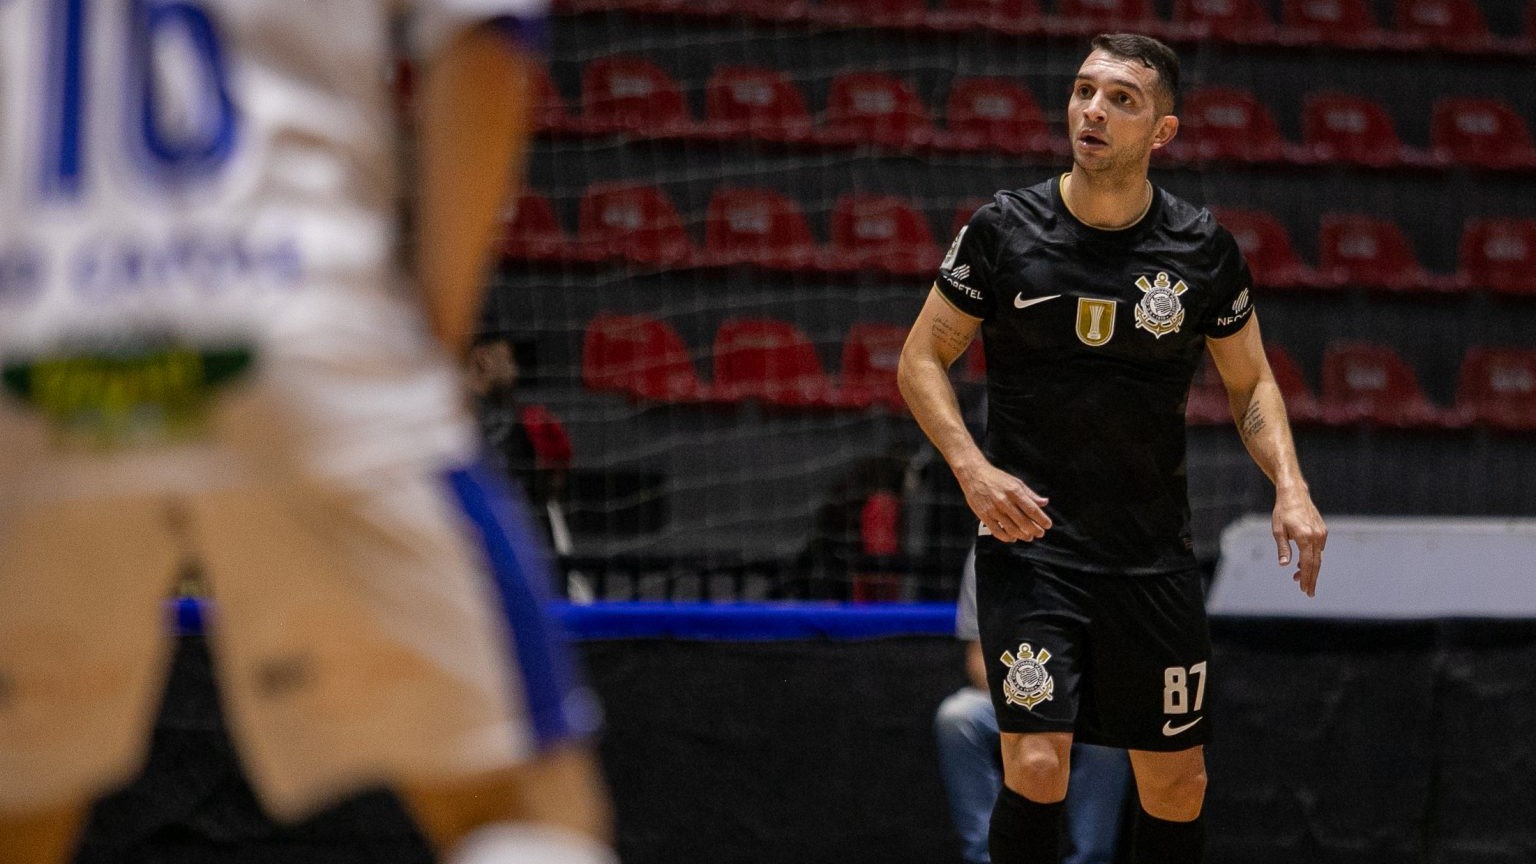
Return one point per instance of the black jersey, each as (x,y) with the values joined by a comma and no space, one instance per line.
(1091,340)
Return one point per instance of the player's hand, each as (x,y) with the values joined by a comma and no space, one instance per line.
(1296,520)
(1009,509)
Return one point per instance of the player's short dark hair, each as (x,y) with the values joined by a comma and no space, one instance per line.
(1150,53)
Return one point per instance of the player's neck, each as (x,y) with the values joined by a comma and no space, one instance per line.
(1107,203)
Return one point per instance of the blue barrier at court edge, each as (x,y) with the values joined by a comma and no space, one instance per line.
(741,622)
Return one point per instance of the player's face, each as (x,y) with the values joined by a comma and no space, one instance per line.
(1113,117)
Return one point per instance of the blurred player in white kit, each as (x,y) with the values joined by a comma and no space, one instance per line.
(204,315)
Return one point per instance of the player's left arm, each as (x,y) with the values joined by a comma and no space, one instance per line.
(473,125)
(1261,420)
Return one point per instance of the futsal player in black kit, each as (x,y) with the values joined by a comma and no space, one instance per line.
(1095,293)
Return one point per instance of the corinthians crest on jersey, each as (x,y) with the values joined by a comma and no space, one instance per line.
(1027,682)
(1160,312)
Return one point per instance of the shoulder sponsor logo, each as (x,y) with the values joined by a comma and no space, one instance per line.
(1241,307)
(962,287)
(1171,730)
(1095,321)
(954,249)
(1020,303)
(961,272)
(1160,312)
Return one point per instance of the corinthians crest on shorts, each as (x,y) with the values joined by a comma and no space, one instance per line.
(1027,682)
(1160,311)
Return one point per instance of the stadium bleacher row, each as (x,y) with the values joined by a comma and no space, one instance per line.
(775,364)
(1415,25)
(633,95)
(732,219)
(762,227)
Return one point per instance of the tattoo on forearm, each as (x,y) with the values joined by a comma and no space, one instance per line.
(947,335)
(1253,422)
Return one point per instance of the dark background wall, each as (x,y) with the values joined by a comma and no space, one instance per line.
(1335,743)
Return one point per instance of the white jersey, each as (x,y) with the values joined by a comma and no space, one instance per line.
(199,253)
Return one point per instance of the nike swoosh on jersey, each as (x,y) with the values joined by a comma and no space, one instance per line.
(1171,730)
(1019,302)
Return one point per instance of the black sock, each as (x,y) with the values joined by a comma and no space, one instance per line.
(1024,831)
(1159,841)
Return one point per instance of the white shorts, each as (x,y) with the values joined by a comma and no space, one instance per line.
(394,634)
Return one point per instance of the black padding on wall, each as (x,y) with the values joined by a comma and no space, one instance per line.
(790,752)
(1348,742)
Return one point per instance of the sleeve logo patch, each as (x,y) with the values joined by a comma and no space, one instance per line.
(954,250)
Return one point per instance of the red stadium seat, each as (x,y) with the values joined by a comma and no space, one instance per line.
(757,226)
(1454,24)
(530,232)
(964,212)
(1365,251)
(632,94)
(1334,22)
(1232,20)
(974,362)
(754,102)
(1207,405)
(993,114)
(550,114)
(1370,383)
(1347,128)
(1008,15)
(633,221)
(551,443)
(875,108)
(880,525)
(1499,254)
(1228,123)
(1497,387)
(641,357)
(882,232)
(1267,247)
(870,355)
(876,13)
(772,362)
(1300,402)
(1483,132)
(1094,14)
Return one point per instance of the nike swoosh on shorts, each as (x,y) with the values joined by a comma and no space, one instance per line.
(1171,730)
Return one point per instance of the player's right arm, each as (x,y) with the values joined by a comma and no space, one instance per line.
(474,119)
(1010,509)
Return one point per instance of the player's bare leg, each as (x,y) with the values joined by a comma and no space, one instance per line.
(1026,822)
(40,838)
(1171,787)
(1037,765)
(557,797)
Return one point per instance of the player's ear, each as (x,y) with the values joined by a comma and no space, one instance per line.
(1167,128)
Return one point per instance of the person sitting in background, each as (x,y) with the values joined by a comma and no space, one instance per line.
(971,761)
(527,442)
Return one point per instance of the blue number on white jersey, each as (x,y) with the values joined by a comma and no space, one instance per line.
(181,118)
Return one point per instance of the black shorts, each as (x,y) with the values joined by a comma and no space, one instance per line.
(1117,660)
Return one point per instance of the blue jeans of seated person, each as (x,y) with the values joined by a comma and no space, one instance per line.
(971,762)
